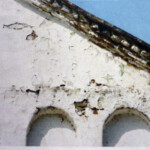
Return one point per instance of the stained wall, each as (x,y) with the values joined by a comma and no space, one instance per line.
(45,63)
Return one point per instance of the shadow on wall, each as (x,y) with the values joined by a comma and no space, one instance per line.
(27,4)
(51,129)
(126,127)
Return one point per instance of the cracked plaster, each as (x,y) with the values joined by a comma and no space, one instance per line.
(61,64)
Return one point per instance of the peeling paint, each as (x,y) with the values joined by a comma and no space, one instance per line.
(32,36)
(17,26)
(65,74)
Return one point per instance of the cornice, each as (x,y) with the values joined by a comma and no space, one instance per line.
(120,43)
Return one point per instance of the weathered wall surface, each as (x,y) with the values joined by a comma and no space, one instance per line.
(45,63)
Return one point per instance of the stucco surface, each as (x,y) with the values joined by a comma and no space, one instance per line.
(66,68)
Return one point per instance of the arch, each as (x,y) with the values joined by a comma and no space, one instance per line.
(51,127)
(126,127)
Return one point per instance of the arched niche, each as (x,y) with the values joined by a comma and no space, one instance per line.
(51,127)
(126,127)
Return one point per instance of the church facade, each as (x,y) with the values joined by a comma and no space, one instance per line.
(68,78)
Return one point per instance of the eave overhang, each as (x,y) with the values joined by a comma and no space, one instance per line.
(120,43)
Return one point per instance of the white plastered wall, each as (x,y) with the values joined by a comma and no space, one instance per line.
(60,56)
